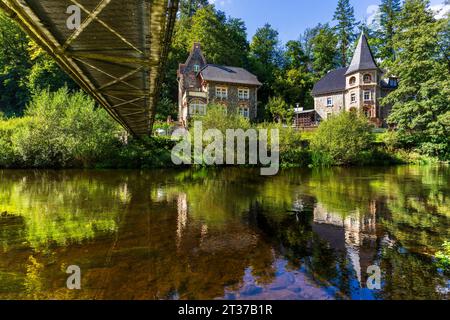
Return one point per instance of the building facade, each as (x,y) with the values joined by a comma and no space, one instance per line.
(359,87)
(201,84)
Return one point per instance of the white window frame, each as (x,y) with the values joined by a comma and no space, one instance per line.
(353,95)
(244,94)
(196,68)
(197,108)
(329,101)
(245,112)
(370,95)
(222,92)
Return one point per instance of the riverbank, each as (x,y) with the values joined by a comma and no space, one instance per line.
(66,130)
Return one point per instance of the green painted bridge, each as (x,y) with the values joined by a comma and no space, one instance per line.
(115,50)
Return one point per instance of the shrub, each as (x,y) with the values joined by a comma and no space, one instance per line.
(443,257)
(64,130)
(293,151)
(217,117)
(342,140)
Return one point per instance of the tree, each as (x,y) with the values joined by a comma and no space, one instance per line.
(324,51)
(14,67)
(189,7)
(345,29)
(280,110)
(306,41)
(294,81)
(265,58)
(389,16)
(342,139)
(223,41)
(421,104)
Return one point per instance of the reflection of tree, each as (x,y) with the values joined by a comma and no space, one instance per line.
(195,234)
(409,277)
(61,207)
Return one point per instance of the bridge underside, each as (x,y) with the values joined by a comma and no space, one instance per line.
(117,54)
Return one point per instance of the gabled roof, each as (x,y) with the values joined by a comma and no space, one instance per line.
(224,74)
(333,81)
(363,57)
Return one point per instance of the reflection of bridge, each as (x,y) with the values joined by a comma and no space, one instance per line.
(117,53)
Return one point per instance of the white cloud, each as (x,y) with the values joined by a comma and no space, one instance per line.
(440,10)
(372,13)
(373,10)
(220,3)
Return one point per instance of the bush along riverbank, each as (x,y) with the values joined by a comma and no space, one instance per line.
(67,130)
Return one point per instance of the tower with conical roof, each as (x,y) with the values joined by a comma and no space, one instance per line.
(363,78)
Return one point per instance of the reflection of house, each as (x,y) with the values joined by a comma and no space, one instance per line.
(356,88)
(355,234)
(201,84)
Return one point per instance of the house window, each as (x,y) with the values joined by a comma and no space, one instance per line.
(197,108)
(221,93)
(352,81)
(353,98)
(367,95)
(244,94)
(245,112)
(196,68)
(367,78)
(329,102)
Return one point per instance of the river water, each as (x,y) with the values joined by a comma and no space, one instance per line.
(225,234)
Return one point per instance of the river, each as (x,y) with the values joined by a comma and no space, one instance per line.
(224,234)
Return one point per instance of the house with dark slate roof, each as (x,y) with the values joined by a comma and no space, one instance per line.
(358,87)
(201,84)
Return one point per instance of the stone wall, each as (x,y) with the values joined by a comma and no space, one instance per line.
(323,110)
(233,102)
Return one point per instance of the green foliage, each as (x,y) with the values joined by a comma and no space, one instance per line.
(65,130)
(280,110)
(293,147)
(421,104)
(342,140)
(389,18)
(345,29)
(218,118)
(443,257)
(324,51)
(14,67)
(24,69)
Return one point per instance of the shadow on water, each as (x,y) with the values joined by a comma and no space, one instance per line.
(224,234)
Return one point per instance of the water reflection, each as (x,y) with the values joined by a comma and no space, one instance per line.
(227,234)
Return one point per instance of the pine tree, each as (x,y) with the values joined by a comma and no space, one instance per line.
(345,28)
(421,104)
(389,16)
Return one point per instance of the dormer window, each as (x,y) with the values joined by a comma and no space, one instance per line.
(196,68)
(352,81)
(367,78)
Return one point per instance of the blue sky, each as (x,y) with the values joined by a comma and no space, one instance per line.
(292,17)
